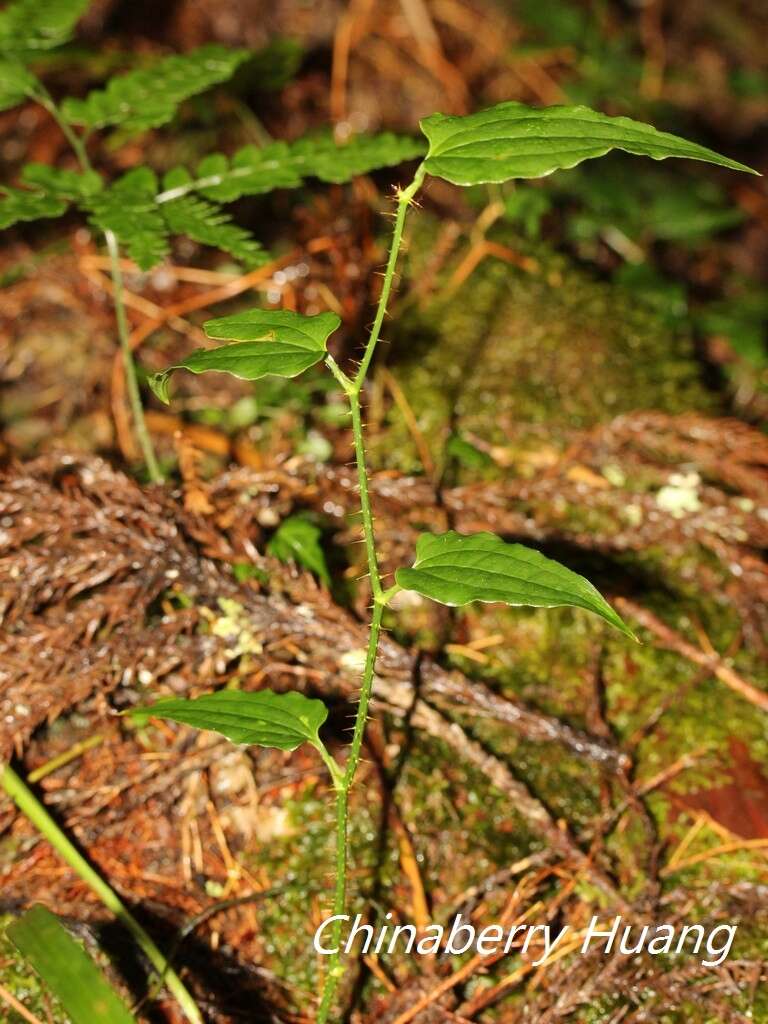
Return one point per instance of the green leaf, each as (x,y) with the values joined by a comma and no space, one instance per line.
(275,342)
(455,569)
(49,193)
(149,97)
(253,171)
(16,83)
(128,209)
(39,24)
(21,204)
(513,140)
(244,571)
(265,718)
(298,539)
(207,223)
(466,454)
(67,969)
(61,183)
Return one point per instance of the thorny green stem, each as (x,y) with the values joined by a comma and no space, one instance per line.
(134,395)
(132,383)
(404,200)
(343,783)
(33,809)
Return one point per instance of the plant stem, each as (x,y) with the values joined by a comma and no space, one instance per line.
(45,99)
(404,199)
(335,969)
(343,783)
(33,809)
(134,395)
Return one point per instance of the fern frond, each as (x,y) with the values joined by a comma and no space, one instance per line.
(63,184)
(19,204)
(49,193)
(149,97)
(287,164)
(16,83)
(128,209)
(38,24)
(207,223)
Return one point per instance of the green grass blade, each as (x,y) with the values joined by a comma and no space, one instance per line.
(67,969)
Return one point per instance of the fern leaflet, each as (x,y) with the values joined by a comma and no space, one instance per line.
(149,97)
(128,209)
(20,204)
(16,83)
(38,24)
(206,223)
(286,165)
(63,184)
(49,193)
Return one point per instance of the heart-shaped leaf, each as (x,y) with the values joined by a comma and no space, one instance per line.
(67,969)
(455,569)
(265,718)
(275,342)
(512,140)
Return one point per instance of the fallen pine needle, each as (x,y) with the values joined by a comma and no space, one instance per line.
(14,1004)
(717,851)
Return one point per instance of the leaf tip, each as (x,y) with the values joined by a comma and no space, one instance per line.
(159,382)
(618,623)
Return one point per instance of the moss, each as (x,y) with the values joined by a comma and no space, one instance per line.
(519,360)
(461,833)
(511,357)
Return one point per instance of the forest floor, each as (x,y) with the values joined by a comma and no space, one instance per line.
(579,364)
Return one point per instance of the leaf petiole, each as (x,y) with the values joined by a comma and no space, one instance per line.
(386,595)
(347,384)
(336,773)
